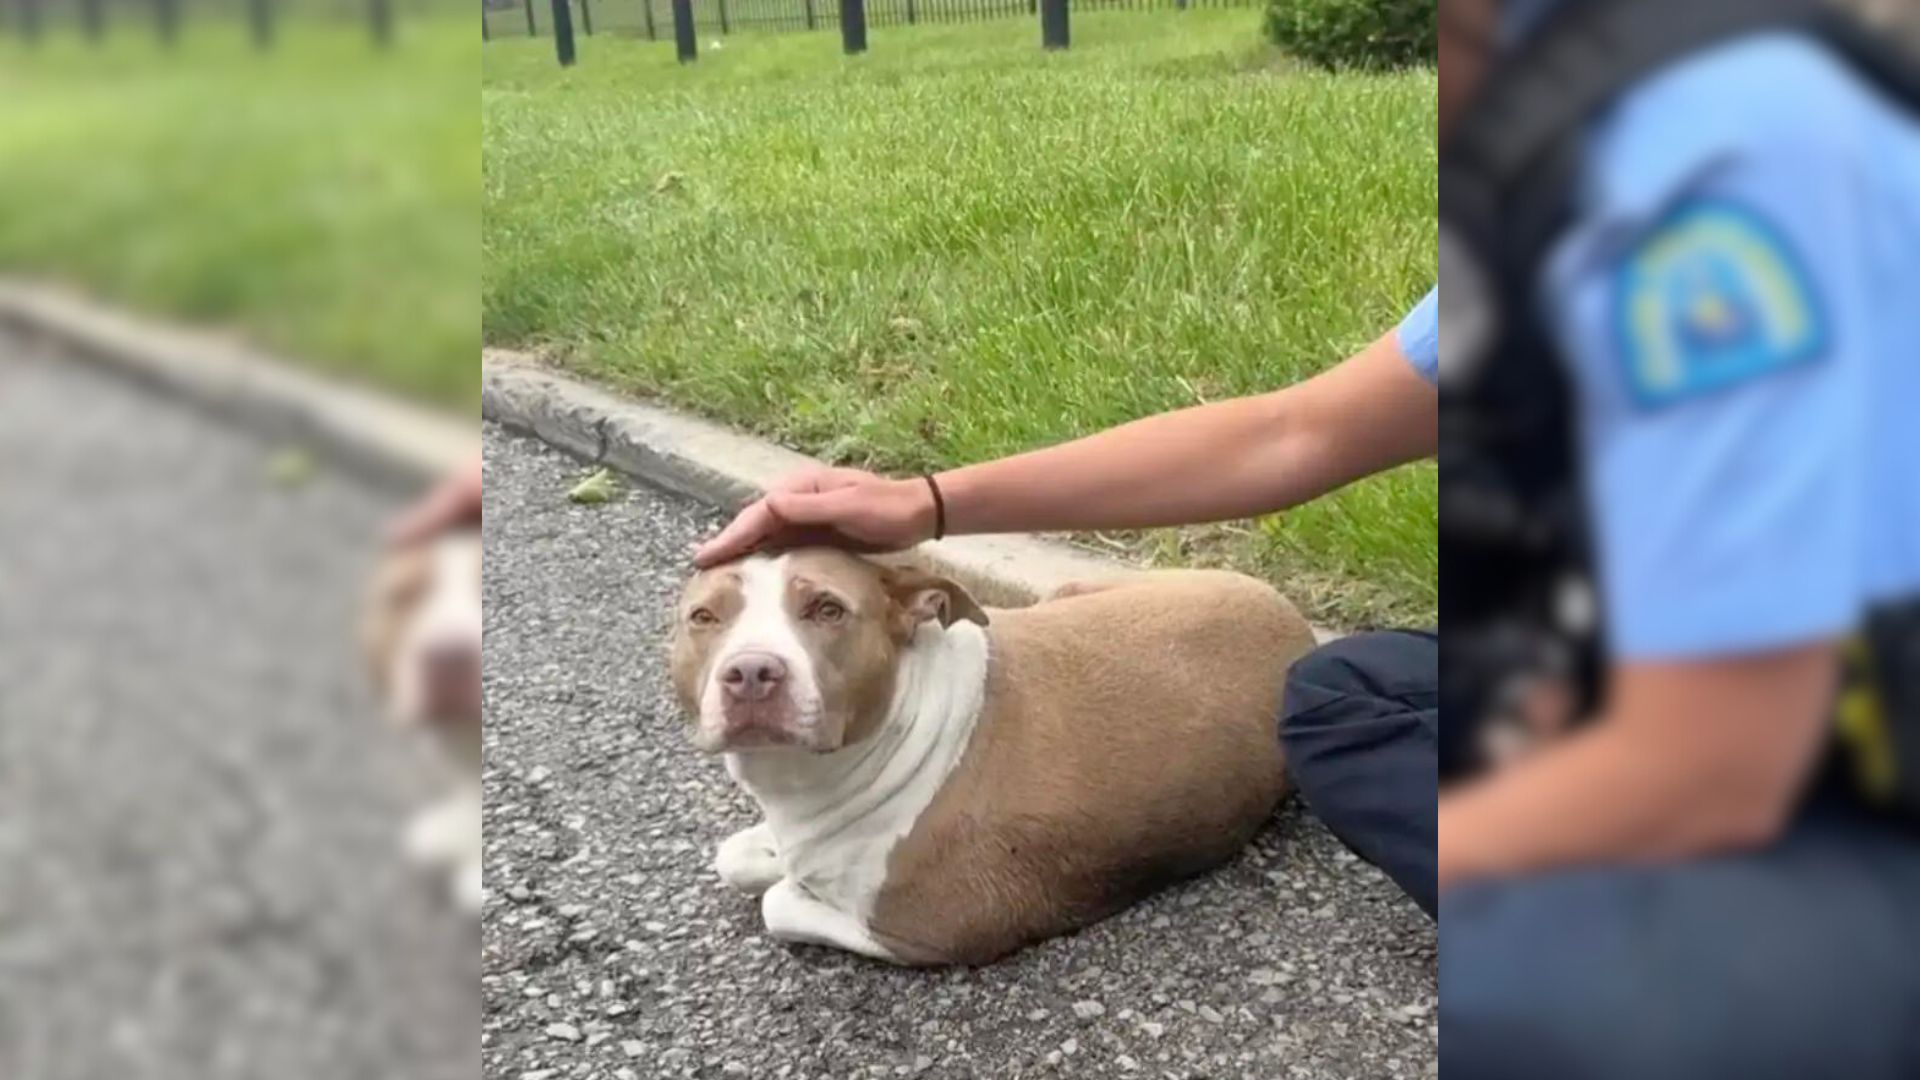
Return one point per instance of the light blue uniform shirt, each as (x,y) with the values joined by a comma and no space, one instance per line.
(1739,302)
(1419,337)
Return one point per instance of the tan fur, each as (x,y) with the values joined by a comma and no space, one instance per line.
(1129,739)
(398,587)
(691,651)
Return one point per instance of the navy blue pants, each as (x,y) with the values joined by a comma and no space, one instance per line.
(1361,724)
(1799,960)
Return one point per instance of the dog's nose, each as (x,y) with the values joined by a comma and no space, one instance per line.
(452,662)
(452,672)
(753,676)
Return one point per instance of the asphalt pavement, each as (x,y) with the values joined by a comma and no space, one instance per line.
(200,806)
(610,949)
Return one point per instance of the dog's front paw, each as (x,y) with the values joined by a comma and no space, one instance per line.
(443,834)
(468,889)
(427,841)
(748,860)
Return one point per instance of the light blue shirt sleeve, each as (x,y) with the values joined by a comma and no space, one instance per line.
(1713,306)
(1419,337)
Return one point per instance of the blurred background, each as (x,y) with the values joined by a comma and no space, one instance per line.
(1681,776)
(318,191)
(201,800)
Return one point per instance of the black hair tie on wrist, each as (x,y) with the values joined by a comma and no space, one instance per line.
(939,508)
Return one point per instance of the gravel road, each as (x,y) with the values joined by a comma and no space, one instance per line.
(199,807)
(610,949)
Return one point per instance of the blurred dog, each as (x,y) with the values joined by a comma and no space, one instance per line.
(422,639)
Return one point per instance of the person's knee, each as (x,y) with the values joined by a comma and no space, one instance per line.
(1346,663)
(1390,670)
(1359,726)
(1338,696)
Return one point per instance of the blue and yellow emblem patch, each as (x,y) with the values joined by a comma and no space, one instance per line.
(1713,298)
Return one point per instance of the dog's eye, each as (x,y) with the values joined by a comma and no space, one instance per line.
(703,617)
(829,611)
(404,593)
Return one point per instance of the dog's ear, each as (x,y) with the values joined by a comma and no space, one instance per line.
(397,587)
(918,596)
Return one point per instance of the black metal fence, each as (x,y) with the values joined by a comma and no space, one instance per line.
(166,20)
(653,19)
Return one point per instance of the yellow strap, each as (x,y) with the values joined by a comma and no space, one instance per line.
(1862,722)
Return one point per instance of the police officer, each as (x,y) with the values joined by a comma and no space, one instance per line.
(1363,718)
(1722,303)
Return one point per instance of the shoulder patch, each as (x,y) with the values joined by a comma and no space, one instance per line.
(1713,298)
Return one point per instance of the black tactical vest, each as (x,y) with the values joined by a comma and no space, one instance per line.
(1518,599)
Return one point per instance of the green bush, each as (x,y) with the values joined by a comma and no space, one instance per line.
(1355,33)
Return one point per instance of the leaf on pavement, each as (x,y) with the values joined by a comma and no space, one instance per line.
(290,467)
(599,488)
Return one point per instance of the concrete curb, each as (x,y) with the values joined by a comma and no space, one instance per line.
(716,465)
(377,436)
(721,467)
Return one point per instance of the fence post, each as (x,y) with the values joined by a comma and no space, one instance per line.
(853,26)
(910,13)
(647,6)
(725,27)
(586,18)
(167,20)
(532,30)
(380,17)
(683,37)
(260,20)
(30,21)
(485,34)
(91,20)
(809,14)
(563,32)
(1053,24)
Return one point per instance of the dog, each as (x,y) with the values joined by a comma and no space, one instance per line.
(944,785)
(422,640)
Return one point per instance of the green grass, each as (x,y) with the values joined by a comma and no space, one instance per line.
(957,246)
(321,199)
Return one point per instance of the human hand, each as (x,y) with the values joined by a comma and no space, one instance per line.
(844,508)
(455,502)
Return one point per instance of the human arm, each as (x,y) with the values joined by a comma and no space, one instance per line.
(1225,460)
(1691,758)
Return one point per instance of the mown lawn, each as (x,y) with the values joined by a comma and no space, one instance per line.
(322,199)
(958,246)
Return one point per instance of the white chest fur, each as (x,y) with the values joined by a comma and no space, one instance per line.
(836,817)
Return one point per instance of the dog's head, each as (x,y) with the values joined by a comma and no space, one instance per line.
(421,632)
(799,650)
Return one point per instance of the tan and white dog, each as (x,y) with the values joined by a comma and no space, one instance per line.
(944,785)
(422,636)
